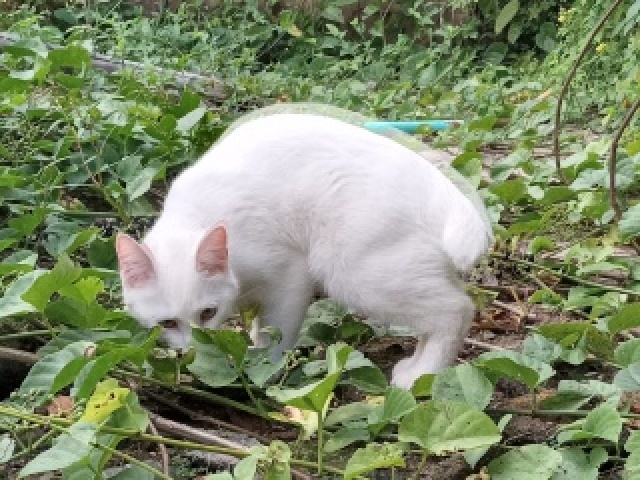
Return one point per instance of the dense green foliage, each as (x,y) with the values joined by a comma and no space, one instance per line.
(84,153)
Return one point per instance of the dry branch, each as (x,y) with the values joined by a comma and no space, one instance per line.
(214,87)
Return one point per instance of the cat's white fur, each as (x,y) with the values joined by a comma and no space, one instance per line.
(288,204)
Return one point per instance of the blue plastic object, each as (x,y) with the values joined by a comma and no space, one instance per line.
(410,126)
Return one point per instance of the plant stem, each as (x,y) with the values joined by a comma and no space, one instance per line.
(55,426)
(555,413)
(423,462)
(613,201)
(253,398)
(570,75)
(132,460)
(573,278)
(137,435)
(199,393)
(32,333)
(320,441)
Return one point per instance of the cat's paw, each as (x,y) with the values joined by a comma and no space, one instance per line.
(403,374)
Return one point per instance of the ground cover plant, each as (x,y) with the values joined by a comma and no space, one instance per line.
(546,386)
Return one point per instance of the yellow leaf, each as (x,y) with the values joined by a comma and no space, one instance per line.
(294,31)
(106,399)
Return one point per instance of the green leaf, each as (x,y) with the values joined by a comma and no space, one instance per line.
(602,422)
(423,385)
(246,468)
(530,462)
(506,15)
(187,122)
(510,191)
(579,335)
(633,442)
(345,437)
(28,222)
(315,396)
(463,383)
(627,352)
(530,371)
(277,457)
(540,244)
(539,347)
(629,224)
(628,379)
(232,343)
(369,379)
(397,403)
(632,466)
(11,302)
(63,274)
(133,472)
(573,394)
(260,368)
(580,465)
(474,455)
(7,445)
(140,183)
(371,457)
(348,413)
(97,369)
(627,317)
(441,427)
(71,56)
(557,194)
(57,370)
(211,365)
(69,448)
(310,397)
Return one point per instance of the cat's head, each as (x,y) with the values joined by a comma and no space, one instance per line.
(176,278)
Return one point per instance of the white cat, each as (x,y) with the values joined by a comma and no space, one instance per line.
(289,204)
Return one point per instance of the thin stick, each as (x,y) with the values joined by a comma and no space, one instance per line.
(613,201)
(185,431)
(198,417)
(18,355)
(215,86)
(574,279)
(565,85)
(136,435)
(483,345)
(161,447)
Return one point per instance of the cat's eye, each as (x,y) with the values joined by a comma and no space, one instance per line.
(207,314)
(169,323)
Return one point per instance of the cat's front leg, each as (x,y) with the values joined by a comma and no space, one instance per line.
(285,308)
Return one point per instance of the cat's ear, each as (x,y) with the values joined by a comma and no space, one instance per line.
(136,268)
(212,256)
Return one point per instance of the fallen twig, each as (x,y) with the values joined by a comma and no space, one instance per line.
(485,346)
(215,86)
(581,281)
(198,417)
(200,436)
(20,356)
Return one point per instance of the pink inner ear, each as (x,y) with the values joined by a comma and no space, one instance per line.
(136,268)
(212,256)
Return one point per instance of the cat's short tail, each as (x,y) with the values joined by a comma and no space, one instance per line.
(467,233)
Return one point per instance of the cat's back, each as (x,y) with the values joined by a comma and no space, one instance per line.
(297,140)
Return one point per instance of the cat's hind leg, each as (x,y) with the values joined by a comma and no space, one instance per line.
(438,347)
